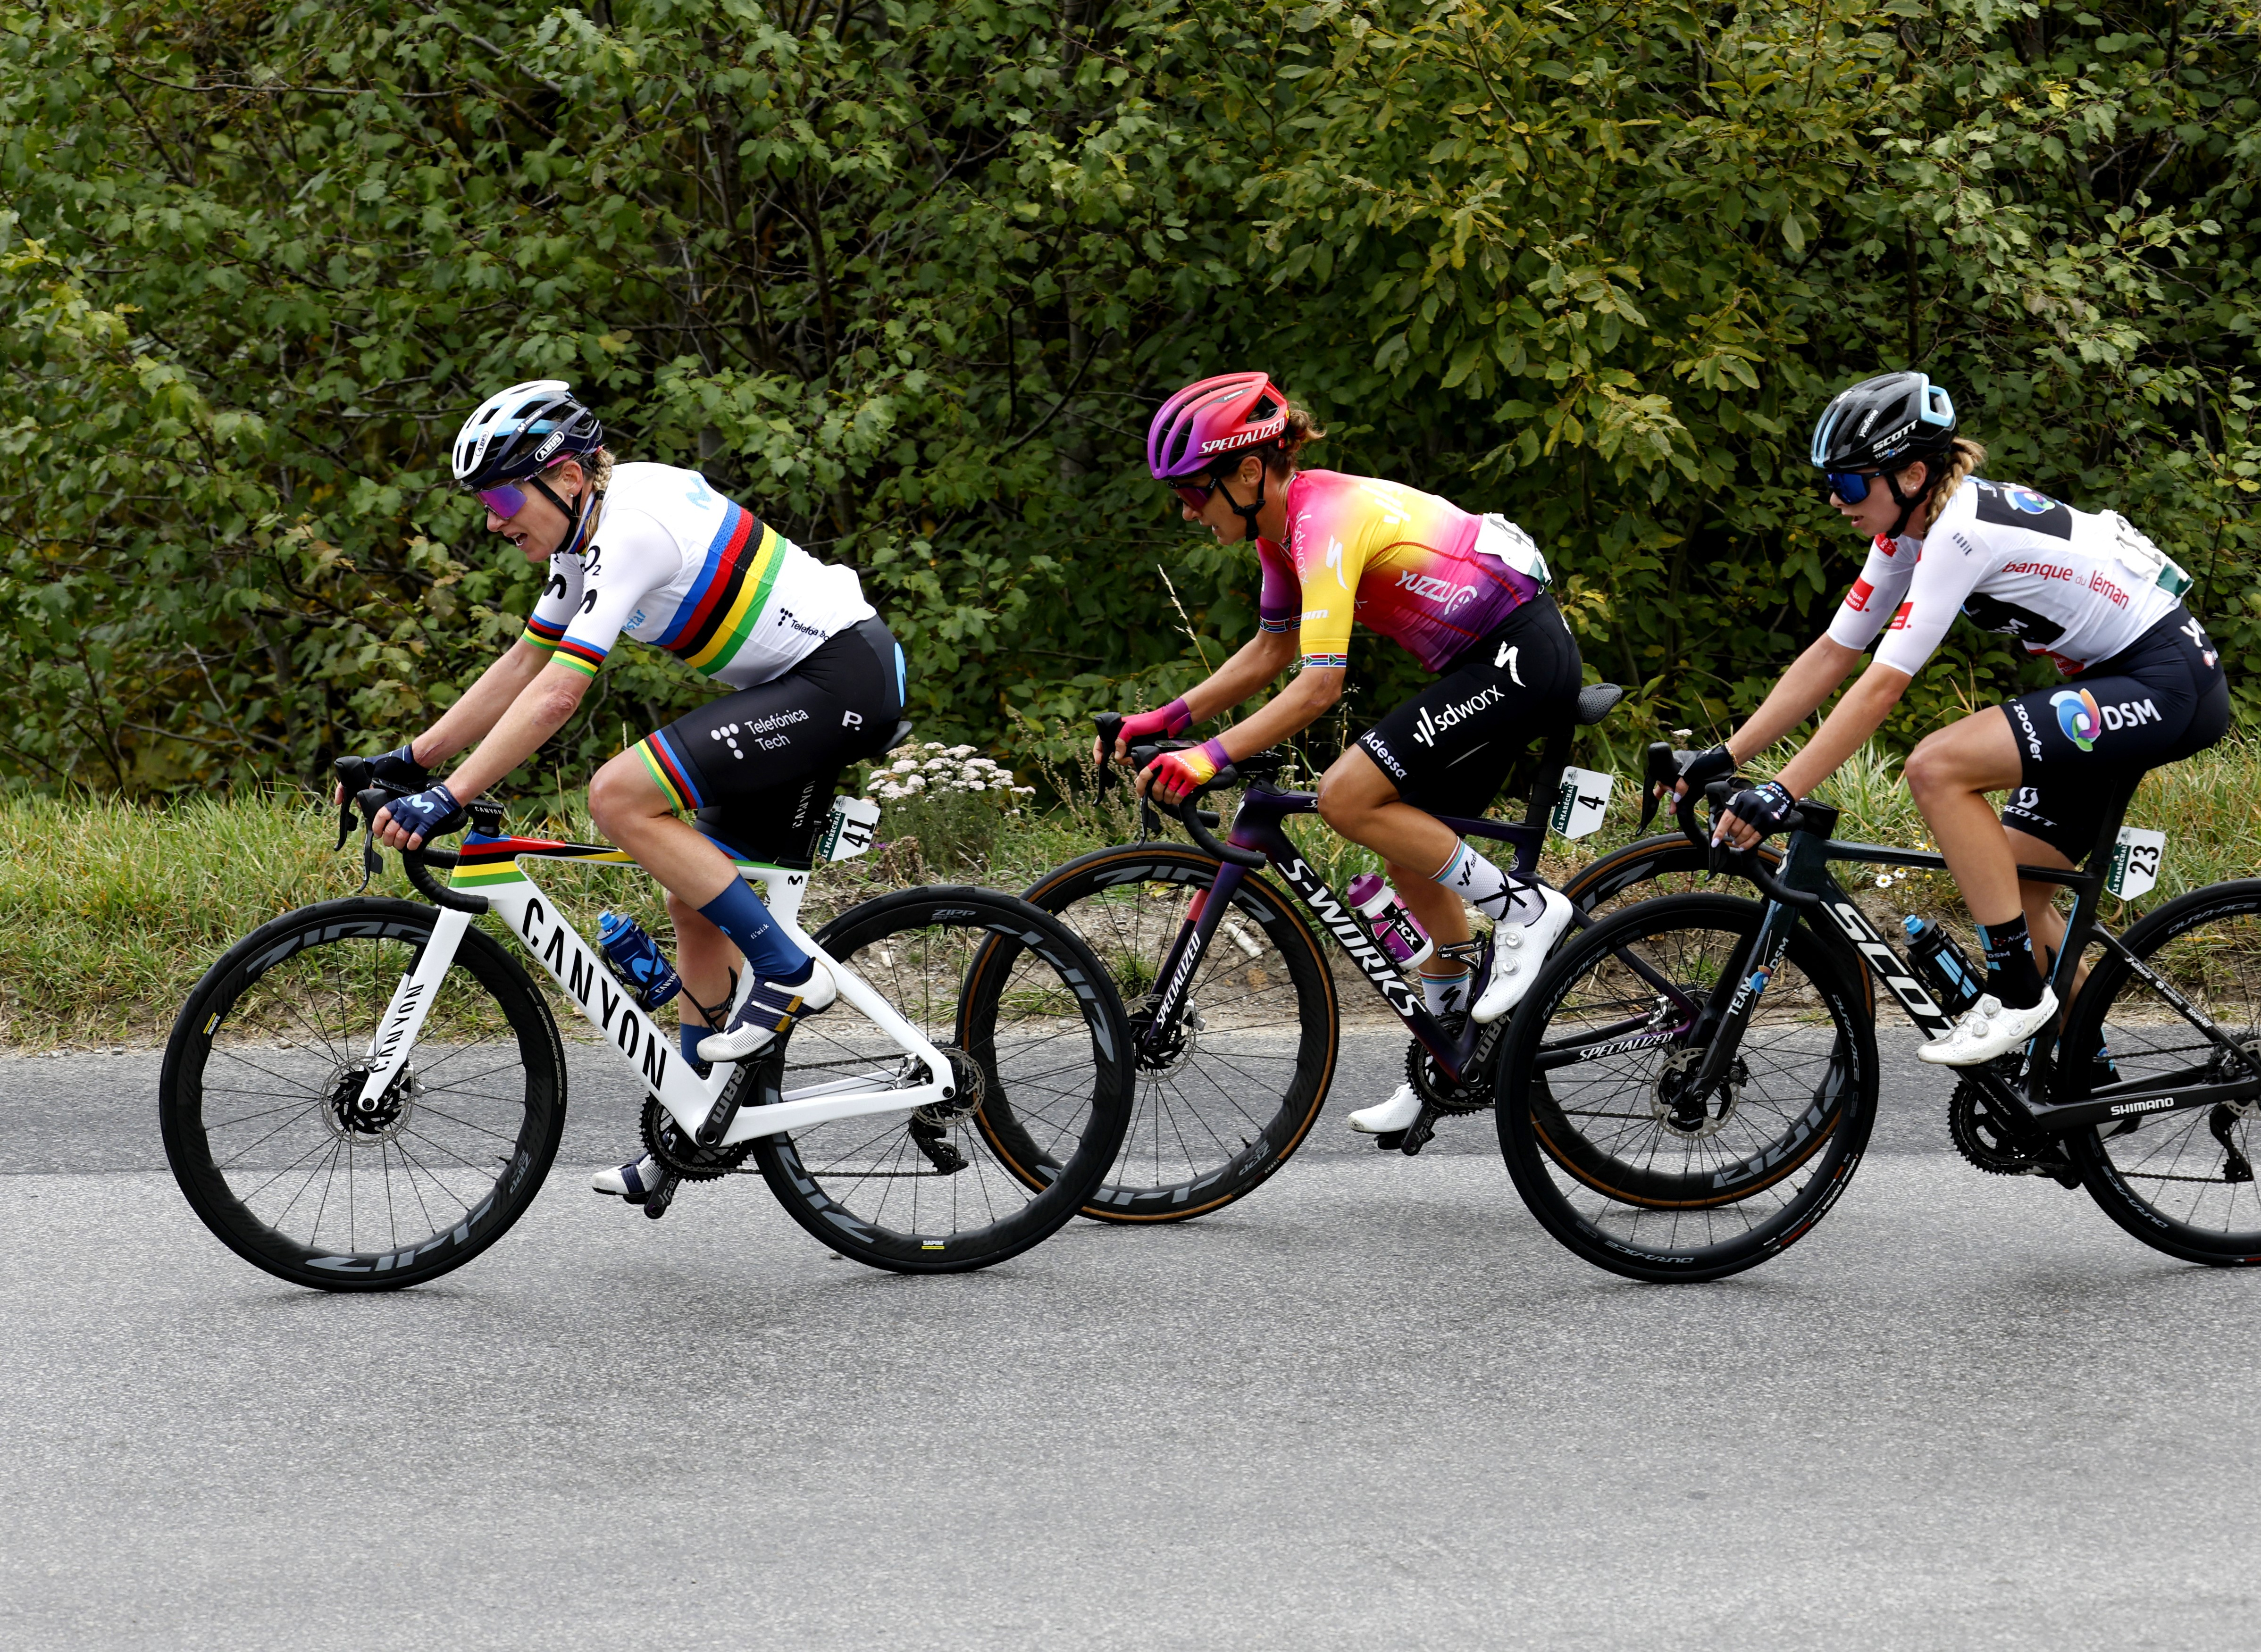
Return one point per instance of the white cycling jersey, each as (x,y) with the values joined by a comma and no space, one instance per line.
(675,564)
(2074,586)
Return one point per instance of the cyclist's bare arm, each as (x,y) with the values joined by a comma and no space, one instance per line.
(1251,669)
(1812,678)
(1860,714)
(541,709)
(481,707)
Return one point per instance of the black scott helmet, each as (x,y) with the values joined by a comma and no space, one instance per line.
(519,431)
(1884,423)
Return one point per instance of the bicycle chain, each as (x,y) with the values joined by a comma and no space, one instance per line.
(1980,1139)
(679,1155)
(1442,1093)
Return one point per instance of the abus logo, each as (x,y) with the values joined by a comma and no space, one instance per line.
(1432,725)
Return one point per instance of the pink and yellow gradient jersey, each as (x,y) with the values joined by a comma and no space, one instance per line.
(1415,568)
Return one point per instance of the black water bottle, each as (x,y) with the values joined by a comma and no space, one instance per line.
(1942,966)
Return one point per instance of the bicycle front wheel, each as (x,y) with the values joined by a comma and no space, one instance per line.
(2183,1182)
(1610,1146)
(260,1100)
(1040,1054)
(1231,1094)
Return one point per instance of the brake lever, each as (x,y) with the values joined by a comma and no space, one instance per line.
(1109,725)
(371,862)
(1661,776)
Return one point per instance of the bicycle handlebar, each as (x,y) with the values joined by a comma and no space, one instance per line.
(352,780)
(1197,821)
(1749,862)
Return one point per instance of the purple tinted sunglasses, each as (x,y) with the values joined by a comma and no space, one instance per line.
(507,499)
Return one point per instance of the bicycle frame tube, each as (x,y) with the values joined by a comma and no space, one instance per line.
(1257,825)
(585,981)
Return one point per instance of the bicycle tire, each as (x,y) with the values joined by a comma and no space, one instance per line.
(1219,1114)
(2181,1182)
(261,1016)
(992,982)
(1591,1183)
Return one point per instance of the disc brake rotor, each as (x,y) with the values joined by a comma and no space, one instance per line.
(1688,1116)
(379,1117)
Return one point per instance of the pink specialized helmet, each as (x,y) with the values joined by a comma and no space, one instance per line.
(1204,422)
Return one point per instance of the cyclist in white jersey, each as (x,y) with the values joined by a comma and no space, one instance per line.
(653,553)
(2145,687)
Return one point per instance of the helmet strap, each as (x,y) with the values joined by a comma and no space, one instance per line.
(1248,513)
(1907,505)
(572,513)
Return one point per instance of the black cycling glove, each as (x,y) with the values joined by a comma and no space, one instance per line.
(400,770)
(1700,768)
(1765,807)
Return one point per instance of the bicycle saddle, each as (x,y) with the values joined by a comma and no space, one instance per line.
(1598,702)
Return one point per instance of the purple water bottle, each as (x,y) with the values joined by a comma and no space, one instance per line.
(1399,931)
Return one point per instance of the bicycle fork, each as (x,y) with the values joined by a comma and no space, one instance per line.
(412,995)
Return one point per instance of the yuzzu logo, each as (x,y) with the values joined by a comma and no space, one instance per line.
(2078,716)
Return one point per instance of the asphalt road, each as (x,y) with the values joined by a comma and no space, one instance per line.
(1371,1406)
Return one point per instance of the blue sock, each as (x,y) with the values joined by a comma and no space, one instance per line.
(738,913)
(692,1034)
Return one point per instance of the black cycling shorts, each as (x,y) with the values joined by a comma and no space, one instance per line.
(2156,701)
(757,767)
(1449,747)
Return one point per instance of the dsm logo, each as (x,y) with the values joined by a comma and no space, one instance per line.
(2027,500)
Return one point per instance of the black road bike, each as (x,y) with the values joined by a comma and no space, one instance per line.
(1691,1081)
(1233,1004)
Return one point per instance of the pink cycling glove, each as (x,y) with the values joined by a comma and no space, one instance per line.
(1177,775)
(1173,718)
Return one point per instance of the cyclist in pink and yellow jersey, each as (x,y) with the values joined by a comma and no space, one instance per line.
(1466,595)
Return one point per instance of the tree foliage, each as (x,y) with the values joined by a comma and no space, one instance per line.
(906,278)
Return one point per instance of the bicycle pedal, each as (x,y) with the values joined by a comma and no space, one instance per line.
(1390,1140)
(1420,1132)
(656,1201)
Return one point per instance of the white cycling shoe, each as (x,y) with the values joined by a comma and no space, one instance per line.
(1987,1030)
(768,1010)
(1397,1114)
(1519,950)
(634,1182)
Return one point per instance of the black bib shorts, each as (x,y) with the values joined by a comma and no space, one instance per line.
(1450,746)
(757,767)
(2156,701)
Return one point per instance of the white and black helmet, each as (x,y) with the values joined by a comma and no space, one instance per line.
(517,433)
(1885,422)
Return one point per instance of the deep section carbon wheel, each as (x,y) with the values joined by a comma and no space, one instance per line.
(2182,1181)
(1040,1056)
(1232,1090)
(1614,1143)
(268,1134)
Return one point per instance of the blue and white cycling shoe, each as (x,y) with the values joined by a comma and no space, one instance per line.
(634,1182)
(1517,953)
(769,1009)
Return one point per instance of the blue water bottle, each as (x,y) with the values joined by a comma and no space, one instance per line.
(637,960)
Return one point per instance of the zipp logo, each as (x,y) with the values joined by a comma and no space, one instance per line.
(1432,725)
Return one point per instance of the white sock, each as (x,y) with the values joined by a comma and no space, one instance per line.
(1489,890)
(1445,994)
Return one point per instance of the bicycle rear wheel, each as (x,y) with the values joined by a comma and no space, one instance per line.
(1040,1051)
(2183,1182)
(1613,1157)
(259,1104)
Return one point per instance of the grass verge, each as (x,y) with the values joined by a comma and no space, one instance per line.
(112,910)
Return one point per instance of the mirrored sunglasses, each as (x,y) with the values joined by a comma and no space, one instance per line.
(1848,485)
(1196,498)
(505,501)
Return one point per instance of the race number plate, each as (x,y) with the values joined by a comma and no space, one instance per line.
(2135,860)
(1581,803)
(848,833)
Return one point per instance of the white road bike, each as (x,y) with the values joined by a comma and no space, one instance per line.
(366,1093)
